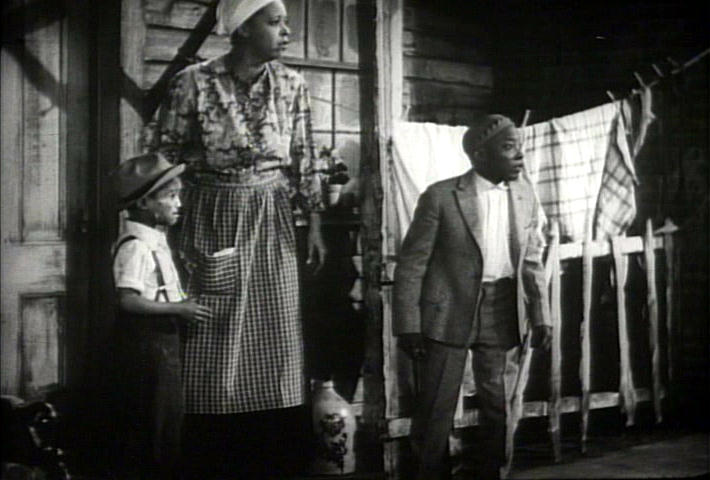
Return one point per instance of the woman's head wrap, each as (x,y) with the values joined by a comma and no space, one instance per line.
(484,129)
(231,14)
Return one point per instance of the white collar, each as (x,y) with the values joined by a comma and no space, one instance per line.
(484,185)
(153,237)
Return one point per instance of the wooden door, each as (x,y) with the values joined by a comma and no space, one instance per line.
(44,141)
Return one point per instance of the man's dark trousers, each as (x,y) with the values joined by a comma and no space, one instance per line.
(493,335)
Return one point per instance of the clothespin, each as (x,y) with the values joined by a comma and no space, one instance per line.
(658,71)
(526,117)
(640,80)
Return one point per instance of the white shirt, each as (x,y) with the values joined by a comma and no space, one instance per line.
(495,223)
(134,266)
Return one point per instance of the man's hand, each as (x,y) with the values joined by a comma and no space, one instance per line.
(413,345)
(541,336)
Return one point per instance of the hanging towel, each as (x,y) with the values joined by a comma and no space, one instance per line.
(616,205)
(565,158)
(422,153)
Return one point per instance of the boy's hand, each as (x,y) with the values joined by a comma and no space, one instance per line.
(193,313)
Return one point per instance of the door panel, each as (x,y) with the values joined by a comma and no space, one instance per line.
(38,72)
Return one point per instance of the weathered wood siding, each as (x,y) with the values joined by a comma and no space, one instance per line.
(447,76)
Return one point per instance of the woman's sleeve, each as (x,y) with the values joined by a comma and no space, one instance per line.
(173,130)
(310,193)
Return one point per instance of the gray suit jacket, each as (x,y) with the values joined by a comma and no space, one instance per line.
(439,269)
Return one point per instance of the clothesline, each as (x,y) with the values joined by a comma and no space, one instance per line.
(678,68)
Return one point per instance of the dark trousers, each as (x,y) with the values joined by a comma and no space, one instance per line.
(493,341)
(258,445)
(151,408)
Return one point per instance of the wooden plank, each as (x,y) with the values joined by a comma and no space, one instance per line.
(456,48)
(296,10)
(448,71)
(77,62)
(432,93)
(12,145)
(389,65)
(347,102)
(387,30)
(603,248)
(626,380)
(42,196)
(454,116)
(351,37)
(162,44)
(400,427)
(390,357)
(514,402)
(183,14)
(133,41)
(585,367)
(324,29)
(41,343)
(671,278)
(553,259)
(434,19)
(652,305)
(569,251)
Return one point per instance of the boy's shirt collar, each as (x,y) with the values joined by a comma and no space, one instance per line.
(153,237)
(485,185)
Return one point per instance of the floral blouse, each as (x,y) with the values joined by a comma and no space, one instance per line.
(215,122)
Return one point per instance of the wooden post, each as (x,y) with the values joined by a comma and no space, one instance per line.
(388,98)
(514,402)
(585,332)
(668,228)
(553,259)
(626,380)
(652,304)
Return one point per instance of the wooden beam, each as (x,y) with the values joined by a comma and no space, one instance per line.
(133,35)
(626,380)
(553,260)
(183,58)
(652,305)
(388,66)
(400,427)
(448,71)
(671,276)
(585,365)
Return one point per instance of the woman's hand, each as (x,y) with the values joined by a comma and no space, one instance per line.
(316,245)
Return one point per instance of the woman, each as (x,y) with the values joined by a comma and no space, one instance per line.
(241,124)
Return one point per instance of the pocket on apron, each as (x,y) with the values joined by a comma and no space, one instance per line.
(218,274)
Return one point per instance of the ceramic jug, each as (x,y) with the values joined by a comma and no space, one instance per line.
(334,427)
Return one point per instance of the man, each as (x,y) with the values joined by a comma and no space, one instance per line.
(475,240)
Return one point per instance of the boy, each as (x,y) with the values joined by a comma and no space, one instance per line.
(152,311)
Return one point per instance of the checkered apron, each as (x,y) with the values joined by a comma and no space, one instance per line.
(249,356)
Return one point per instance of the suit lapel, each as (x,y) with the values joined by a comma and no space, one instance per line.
(470,206)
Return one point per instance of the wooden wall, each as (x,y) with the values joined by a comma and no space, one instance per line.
(447,74)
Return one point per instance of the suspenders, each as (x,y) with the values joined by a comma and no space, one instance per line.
(158,270)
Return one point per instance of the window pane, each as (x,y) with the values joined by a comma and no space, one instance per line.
(324,30)
(347,101)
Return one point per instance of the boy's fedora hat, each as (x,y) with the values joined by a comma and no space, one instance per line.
(140,176)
